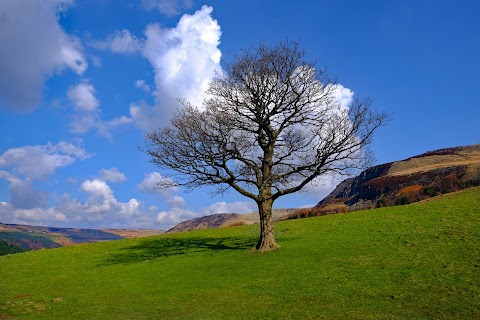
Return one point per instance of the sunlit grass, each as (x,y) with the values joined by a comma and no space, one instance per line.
(420,261)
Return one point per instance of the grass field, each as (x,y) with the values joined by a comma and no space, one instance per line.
(420,261)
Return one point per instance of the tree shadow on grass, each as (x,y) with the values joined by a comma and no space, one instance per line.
(166,247)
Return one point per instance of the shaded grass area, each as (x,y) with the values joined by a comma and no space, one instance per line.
(156,248)
(420,261)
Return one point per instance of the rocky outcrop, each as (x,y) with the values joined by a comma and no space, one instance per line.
(409,180)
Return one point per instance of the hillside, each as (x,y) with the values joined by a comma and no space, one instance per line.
(418,261)
(409,180)
(394,183)
(222,220)
(26,241)
(7,248)
(38,237)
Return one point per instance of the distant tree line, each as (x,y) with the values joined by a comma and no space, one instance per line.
(26,241)
(6,248)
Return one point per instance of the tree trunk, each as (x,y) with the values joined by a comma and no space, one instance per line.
(267,238)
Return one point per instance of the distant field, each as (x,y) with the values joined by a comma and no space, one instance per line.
(419,261)
(25,237)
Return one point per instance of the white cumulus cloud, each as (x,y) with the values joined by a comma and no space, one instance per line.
(38,215)
(184,59)
(168,219)
(100,209)
(149,184)
(344,96)
(83,97)
(101,205)
(41,161)
(97,188)
(34,47)
(129,209)
(176,201)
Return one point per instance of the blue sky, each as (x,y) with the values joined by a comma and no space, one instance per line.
(81,82)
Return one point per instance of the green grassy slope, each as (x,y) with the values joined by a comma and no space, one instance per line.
(420,261)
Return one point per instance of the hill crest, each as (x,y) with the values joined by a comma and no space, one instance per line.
(399,182)
(409,180)
(24,237)
(222,220)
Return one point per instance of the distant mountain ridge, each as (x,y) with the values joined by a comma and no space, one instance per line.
(393,183)
(18,238)
(409,180)
(221,220)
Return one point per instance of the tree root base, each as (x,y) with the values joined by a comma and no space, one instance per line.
(266,247)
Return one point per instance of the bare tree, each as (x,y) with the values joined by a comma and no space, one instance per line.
(270,126)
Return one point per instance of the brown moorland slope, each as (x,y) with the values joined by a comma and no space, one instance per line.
(406,181)
(47,237)
(222,220)
(394,183)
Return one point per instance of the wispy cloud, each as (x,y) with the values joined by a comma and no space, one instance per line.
(150,182)
(83,97)
(87,115)
(176,201)
(167,7)
(120,42)
(142,85)
(112,175)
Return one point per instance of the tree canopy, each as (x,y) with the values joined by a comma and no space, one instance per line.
(271,124)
